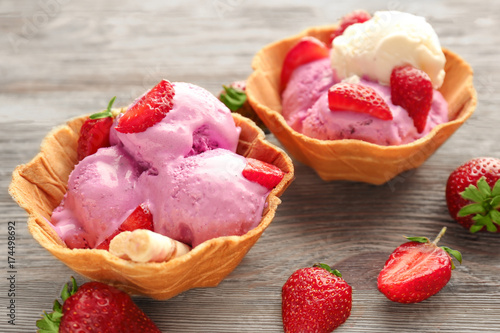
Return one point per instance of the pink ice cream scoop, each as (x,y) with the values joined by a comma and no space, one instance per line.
(184,169)
(197,122)
(305,108)
(204,196)
(101,193)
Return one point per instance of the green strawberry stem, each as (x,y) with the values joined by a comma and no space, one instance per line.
(329,269)
(106,113)
(50,321)
(486,202)
(438,237)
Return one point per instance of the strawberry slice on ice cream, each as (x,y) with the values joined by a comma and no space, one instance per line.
(355,97)
(306,50)
(148,110)
(262,173)
(140,218)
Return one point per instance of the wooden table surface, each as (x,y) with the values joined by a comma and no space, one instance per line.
(61,58)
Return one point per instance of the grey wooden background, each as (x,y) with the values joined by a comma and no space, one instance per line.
(63,58)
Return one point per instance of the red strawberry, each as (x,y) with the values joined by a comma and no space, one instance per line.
(416,270)
(307,49)
(473,194)
(412,89)
(95,307)
(94,133)
(140,218)
(148,109)
(357,16)
(315,300)
(263,173)
(355,97)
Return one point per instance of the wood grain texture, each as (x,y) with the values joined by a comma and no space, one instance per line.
(61,59)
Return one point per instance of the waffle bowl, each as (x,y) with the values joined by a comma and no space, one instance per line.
(40,185)
(351,159)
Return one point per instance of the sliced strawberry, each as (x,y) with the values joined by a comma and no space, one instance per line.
(140,218)
(412,89)
(306,50)
(357,16)
(148,110)
(94,133)
(262,173)
(346,96)
(416,270)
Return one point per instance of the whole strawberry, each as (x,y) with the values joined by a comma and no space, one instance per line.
(95,307)
(473,194)
(315,300)
(235,98)
(416,270)
(94,133)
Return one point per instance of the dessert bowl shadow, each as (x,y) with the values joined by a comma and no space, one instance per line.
(40,185)
(352,159)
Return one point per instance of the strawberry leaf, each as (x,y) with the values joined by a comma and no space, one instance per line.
(233,98)
(483,187)
(418,239)
(330,270)
(475,208)
(50,321)
(494,216)
(454,253)
(473,193)
(106,113)
(496,189)
(495,202)
(484,221)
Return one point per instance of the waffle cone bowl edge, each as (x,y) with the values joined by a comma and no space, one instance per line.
(351,159)
(39,186)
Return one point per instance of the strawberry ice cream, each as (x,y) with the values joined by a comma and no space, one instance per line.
(392,39)
(184,169)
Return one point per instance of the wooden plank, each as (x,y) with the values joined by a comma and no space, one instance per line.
(61,59)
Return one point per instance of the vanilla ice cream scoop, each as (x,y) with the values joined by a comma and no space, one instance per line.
(389,39)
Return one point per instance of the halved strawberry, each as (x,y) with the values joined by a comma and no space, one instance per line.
(306,50)
(140,218)
(416,270)
(357,16)
(412,89)
(345,96)
(148,110)
(263,173)
(94,133)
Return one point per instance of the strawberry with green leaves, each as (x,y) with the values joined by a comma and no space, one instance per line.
(417,269)
(94,133)
(473,194)
(315,300)
(95,307)
(235,98)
